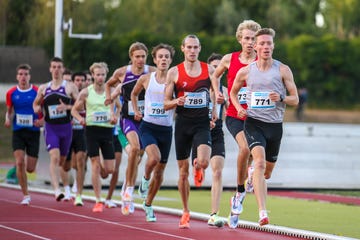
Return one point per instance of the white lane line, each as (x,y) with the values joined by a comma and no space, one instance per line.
(101,220)
(23,232)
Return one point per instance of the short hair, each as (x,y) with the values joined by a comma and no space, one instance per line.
(56,59)
(189,36)
(137,46)
(214,56)
(246,24)
(67,71)
(76,74)
(163,46)
(98,65)
(23,66)
(265,31)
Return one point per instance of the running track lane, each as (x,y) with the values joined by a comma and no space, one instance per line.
(47,219)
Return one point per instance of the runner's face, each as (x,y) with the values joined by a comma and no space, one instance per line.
(247,40)
(23,77)
(99,76)
(191,49)
(162,59)
(79,82)
(264,46)
(138,58)
(56,69)
(215,63)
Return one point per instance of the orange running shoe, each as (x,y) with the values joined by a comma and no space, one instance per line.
(198,175)
(98,207)
(185,220)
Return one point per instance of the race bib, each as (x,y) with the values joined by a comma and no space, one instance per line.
(24,120)
(195,99)
(141,107)
(76,125)
(242,95)
(54,113)
(101,117)
(261,100)
(157,110)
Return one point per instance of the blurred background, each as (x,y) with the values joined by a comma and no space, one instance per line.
(318,39)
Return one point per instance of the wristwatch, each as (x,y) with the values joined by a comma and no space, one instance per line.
(281,98)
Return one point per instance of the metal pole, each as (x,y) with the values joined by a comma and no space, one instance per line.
(58,48)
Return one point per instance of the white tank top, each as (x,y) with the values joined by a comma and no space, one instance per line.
(154,104)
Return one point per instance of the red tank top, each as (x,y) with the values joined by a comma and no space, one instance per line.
(234,67)
(186,83)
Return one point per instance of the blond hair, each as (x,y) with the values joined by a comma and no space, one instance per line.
(246,24)
(137,46)
(99,65)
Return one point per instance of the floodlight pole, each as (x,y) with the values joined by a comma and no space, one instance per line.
(58,47)
(61,25)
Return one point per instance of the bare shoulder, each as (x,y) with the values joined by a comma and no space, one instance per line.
(152,69)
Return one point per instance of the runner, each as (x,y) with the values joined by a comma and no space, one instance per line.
(232,62)
(26,127)
(127,77)
(156,127)
(56,98)
(191,84)
(267,81)
(99,121)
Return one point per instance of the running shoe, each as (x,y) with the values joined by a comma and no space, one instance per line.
(233,220)
(236,203)
(198,174)
(26,200)
(78,201)
(185,220)
(67,197)
(263,218)
(249,184)
(74,187)
(131,208)
(98,207)
(125,208)
(143,188)
(110,204)
(149,211)
(215,220)
(59,195)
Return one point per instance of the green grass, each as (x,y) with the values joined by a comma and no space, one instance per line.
(330,218)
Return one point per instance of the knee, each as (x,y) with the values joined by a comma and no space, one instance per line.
(30,169)
(203,163)
(217,173)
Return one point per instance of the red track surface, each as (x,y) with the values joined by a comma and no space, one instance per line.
(47,219)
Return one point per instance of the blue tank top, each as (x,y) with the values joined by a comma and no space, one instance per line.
(21,101)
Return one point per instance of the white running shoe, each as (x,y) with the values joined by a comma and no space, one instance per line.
(233,220)
(26,200)
(59,195)
(110,204)
(236,203)
(74,187)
